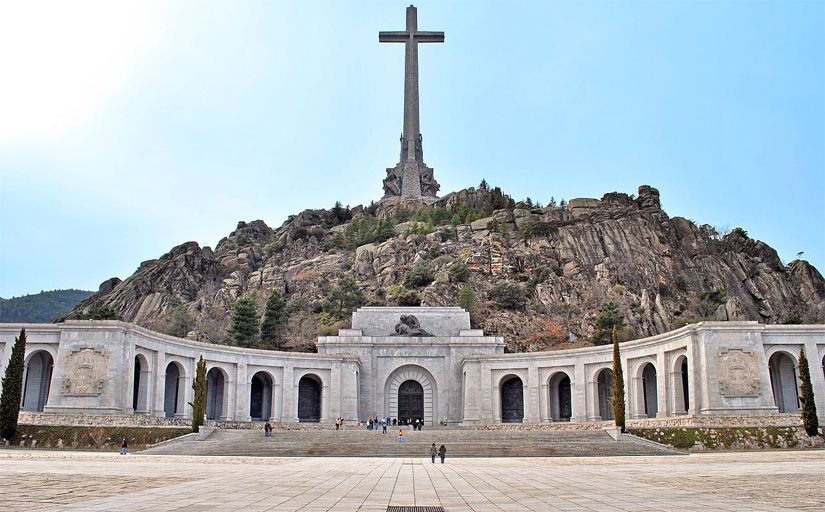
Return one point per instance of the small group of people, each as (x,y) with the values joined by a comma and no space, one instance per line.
(440,451)
(374,423)
(339,423)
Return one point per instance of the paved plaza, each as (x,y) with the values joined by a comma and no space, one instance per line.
(40,480)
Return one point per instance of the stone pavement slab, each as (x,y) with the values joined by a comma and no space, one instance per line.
(77,481)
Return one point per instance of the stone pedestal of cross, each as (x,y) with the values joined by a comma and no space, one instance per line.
(411,177)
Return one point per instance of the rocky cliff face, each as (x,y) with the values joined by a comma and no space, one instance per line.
(539,276)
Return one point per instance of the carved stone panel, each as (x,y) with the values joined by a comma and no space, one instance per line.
(84,372)
(739,376)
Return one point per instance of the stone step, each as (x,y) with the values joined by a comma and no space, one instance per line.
(459,442)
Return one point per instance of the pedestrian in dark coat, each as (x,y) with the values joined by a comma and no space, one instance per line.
(442,452)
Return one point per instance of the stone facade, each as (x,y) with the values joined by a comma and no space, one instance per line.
(701,373)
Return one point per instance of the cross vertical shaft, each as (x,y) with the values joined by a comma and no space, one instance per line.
(412,154)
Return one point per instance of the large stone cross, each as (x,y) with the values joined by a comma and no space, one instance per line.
(411,170)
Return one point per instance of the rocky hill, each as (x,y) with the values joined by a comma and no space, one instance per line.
(540,277)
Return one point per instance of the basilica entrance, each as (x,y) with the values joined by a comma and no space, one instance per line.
(512,400)
(411,400)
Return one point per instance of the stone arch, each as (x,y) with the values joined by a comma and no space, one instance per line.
(174,391)
(679,384)
(216,396)
(782,369)
(604,393)
(261,395)
(417,374)
(511,390)
(650,398)
(561,399)
(37,380)
(140,385)
(309,398)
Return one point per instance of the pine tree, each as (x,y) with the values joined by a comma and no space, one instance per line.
(199,402)
(562,203)
(483,185)
(467,300)
(806,396)
(344,298)
(552,202)
(12,388)
(618,384)
(244,322)
(275,319)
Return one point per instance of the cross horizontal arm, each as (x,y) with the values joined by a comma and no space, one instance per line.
(429,37)
(393,37)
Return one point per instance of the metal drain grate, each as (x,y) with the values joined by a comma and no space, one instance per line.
(415,509)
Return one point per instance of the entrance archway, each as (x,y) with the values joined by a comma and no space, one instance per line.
(215,384)
(561,407)
(512,400)
(140,388)
(309,399)
(173,393)
(649,390)
(604,386)
(38,381)
(260,397)
(411,400)
(392,388)
(782,370)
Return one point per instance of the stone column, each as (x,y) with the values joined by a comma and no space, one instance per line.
(662,388)
(578,395)
(531,395)
(240,405)
(817,378)
(160,384)
(694,371)
(335,392)
(544,402)
(229,391)
(325,401)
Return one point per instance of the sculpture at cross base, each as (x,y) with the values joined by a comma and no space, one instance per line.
(411,177)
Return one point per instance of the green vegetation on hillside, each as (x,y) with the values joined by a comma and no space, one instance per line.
(40,307)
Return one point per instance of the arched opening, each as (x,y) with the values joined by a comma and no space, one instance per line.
(561,408)
(411,400)
(260,397)
(214,393)
(309,399)
(681,399)
(140,392)
(604,385)
(782,370)
(173,392)
(512,400)
(37,382)
(649,390)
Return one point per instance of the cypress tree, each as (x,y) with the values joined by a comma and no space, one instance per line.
(199,403)
(12,388)
(618,384)
(244,322)
(806,396)
(275,319)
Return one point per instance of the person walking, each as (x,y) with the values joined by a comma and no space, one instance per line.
(384,426)
(415,427)
(433,452)
(124,447)
(401,436)
(442,452)
(268,430)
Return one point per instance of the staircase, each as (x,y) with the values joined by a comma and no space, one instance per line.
(460,442)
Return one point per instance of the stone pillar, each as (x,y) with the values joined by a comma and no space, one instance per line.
(817,378)
(472,412)
(578,394)
(127,403)
(160,384)
(694,371)
(229,392)
(488,400)
(532,413)
(240,405)
(325,401)
(544,402)
(290,396)
(349,391)
(335,392)
(662,387)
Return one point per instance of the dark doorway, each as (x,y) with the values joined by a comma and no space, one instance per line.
(309,399)
(214,394)
(260,397)
(512,400)
(136,391)
(172,391)
(650,391)
(605,386)
(411,400)
(685,395)
(561,408)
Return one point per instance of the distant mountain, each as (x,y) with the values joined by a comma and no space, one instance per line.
(40,307)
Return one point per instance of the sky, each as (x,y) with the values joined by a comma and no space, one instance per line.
(127,128)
